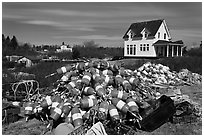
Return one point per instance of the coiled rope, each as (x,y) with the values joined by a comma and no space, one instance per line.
(29,87)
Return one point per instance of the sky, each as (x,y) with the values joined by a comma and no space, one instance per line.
(104,22)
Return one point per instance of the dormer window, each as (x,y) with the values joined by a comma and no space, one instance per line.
(130,35)
(146,34)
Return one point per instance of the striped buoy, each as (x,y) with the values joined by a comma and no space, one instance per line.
(76,117)
(103,107)
(134,81)
(71,85)
(68,75)
(55,115)
(86,78)
(88,65)
(56,101)
(80,66)
(126,85)
(100,91)
(108,80)
(46,102)
(113,112)
(133,107)
(78,84)
(66,109)
(91,97)
(119,94)
(64,69)
(107,72)
(119,80)
(120,105)
(87,102)
(88,91)
(69,118)
(97,78)
(104,64)
(29,106)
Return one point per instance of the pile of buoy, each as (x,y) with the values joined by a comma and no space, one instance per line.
(99,89)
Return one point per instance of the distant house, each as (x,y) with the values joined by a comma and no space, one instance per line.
(29,61)
(150,39)
(64,47)
(13,58)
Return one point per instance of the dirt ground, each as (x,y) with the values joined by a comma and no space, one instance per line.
(35,127)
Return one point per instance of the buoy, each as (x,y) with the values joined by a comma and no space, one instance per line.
(113,112)
(100,91)
(63,129)
(107,72)
(46,102)
(126,85)
(133,107)
(56,101)
(64,69)
(66,109)
(134,81)
(86,78)
(55,115)
(71,85)
(120,105)
(68,75)
(104,64)
(103,107)
(29,106)
(88,91)
(97,78)
(80,66)
(78,84)
(119,80)
(76,117)
(69,118)
(119,94)
(87,102)
(108,80)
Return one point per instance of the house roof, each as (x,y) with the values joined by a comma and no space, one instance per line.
(162,42)
(32,58)
(152,26)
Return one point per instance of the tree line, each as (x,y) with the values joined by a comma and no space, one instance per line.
(11,46)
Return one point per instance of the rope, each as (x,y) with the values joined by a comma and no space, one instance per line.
(5,115)
(29,87)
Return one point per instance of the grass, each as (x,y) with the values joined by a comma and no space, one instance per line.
(35,127)
(194,64)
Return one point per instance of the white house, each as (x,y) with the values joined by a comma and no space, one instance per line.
(64,47)
(150,39)
(26,61)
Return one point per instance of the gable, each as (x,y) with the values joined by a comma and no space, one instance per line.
(137,28)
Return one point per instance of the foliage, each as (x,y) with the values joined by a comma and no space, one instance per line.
(195,52)
(75,53)
(12,47)
(194,64)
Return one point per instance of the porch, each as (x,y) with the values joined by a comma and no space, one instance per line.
(168,48)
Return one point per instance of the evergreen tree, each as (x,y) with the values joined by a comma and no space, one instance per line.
(14,43)
(3,38)
(75,53)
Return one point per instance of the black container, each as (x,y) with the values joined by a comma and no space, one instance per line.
(157,114)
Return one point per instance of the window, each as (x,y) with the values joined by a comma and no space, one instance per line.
(158,34)
(140,47)
(164,35)
(146,34)
(131,50)
(134,50)
(147,47)
(144,47)
(127,49)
